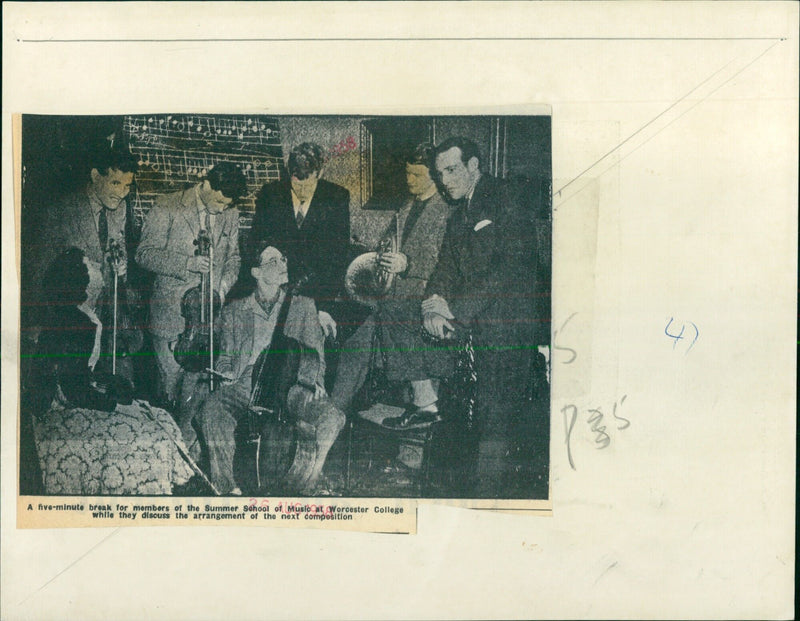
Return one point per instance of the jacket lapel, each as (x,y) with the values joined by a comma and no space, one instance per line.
(286,206)
(189,211)
(245,319)
(316,208)
(220,225)
(85,228)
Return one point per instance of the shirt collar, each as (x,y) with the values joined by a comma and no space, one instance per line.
(472,190)
(298,206)
(257,309)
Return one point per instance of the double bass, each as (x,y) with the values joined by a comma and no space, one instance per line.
(285,413)
(200,305)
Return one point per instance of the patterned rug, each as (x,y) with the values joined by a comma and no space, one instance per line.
(91,452)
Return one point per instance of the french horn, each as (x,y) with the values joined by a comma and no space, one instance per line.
(365,280)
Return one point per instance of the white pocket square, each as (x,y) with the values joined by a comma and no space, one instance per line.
(482,224)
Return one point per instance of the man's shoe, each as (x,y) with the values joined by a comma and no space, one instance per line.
(396,467)
(412,418)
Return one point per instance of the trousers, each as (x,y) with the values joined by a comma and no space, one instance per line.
(484,462)
(169,371)
(392,334)
(216,419)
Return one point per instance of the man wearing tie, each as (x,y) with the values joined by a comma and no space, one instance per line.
(483,282)
(168,249)
(308,220)
(94,220)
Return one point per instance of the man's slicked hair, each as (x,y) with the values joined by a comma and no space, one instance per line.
(422,154)
(104,158)
(305,159)
(229,179)
(468,148)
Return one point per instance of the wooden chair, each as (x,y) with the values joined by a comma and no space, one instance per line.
(457,398)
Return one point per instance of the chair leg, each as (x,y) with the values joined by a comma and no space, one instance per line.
(349,454)
(422,486)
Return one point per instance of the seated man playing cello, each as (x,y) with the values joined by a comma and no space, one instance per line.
(271,318)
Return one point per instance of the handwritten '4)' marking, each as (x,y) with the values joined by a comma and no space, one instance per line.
(679,336)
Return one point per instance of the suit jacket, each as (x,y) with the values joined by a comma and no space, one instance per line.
(70,223)
(237,335)
(167,244)
(488,275)
(320,248)
(420,242)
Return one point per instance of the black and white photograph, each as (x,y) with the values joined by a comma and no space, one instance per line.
(399,310)
(312,306)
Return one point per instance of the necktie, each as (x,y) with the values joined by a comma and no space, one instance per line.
(299,217)
(413,216)
(102,229)
(208,223)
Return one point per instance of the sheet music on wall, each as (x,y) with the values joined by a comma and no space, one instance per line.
(176,150)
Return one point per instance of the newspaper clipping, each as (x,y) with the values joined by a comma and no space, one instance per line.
(302,321)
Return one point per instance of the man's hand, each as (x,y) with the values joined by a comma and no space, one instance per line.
(198,264)
(319,392)
(328,324)
(393,262)
(437,325)
(437,304)
(120,268)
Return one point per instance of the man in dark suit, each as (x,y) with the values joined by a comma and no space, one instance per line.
(308,220)
(483,283)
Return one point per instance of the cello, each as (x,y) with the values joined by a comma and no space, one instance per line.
(194,350)
(299,428)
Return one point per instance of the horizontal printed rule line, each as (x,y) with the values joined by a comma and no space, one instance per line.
(391,39)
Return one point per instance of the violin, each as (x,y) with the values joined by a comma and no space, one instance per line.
(200,305)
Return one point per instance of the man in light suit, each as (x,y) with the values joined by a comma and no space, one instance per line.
(308,220)
(95,220)
(168,249)
(420,224)
(249,328)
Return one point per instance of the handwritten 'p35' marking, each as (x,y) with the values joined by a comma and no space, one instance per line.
(602,437)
